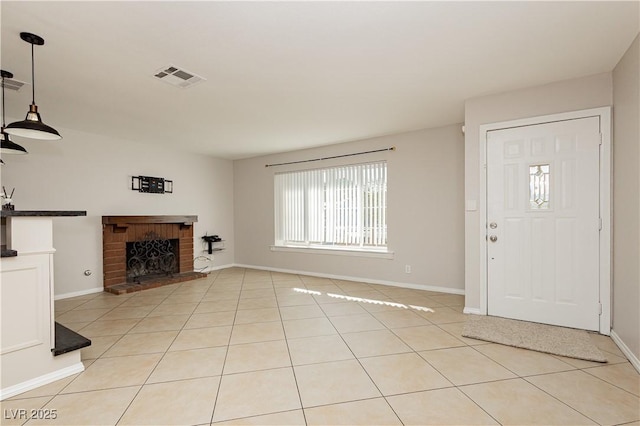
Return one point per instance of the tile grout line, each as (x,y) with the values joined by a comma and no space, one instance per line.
(99,356)
(320,306)
(382,395)
(454,386)
(293,370)
(224,362)
(518,376)
(607,381)
(558,399)
(414,351)
(128,332)
(124,412)
(107,349)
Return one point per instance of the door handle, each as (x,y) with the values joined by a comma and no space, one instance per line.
(493,238)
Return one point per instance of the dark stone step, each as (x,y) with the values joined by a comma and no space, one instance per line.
(68,340)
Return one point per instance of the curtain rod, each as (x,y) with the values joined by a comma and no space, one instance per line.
(393,148)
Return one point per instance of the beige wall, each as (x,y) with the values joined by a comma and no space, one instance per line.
(425,210)
(626,199)
(93,173)
(571,95)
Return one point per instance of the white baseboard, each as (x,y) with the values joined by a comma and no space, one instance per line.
(101,289)
(78,293)
(41,381)
(633,359)
(210,269)
(472,311)
(360,279)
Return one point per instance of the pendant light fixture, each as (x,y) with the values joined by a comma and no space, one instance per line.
(7,146)
(32,126)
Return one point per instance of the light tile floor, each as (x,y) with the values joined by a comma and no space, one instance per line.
(253,347)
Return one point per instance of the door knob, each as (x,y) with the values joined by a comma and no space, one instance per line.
(493,238)
(493,225)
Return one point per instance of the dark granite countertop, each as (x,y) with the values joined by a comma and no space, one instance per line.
(14,213)
(68,340)
(5,252)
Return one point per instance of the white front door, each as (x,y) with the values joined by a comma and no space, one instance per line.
(543,223)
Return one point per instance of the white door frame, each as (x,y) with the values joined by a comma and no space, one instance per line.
(604,114)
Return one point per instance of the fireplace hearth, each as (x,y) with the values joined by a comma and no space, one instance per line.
(141,252)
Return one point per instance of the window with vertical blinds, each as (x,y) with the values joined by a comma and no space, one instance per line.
(337,207)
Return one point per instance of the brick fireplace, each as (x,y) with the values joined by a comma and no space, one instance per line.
(118,231)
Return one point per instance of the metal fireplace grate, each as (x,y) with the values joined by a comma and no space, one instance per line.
(150,257)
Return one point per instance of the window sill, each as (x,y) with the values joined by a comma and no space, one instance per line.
(335,251)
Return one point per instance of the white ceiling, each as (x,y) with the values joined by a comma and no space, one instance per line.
(288,75)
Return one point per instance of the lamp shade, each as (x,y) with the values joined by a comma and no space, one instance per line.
(8,147)
(32,127)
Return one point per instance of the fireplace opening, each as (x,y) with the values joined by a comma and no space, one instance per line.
(151,257)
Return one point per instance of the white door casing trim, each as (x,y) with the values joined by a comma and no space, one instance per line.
(604,115)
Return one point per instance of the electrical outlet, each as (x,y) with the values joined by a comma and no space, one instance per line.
(407,269)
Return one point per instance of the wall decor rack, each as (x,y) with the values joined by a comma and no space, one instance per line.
(153,185)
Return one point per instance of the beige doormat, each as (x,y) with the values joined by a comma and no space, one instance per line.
(530,335)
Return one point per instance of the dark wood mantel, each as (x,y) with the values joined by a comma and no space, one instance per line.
(123,220)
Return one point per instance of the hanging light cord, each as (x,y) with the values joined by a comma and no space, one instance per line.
(33,77)
(3,123)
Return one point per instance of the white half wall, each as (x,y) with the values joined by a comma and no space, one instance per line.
(90,172)
(425,210)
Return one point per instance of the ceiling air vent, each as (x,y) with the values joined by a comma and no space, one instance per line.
(13,84)
(178,77)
